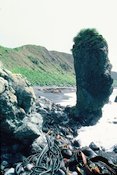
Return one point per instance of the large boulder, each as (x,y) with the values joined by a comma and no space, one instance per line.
(17,100)
(93,73)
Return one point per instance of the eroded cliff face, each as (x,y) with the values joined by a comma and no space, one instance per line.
(93,73)
(17,115)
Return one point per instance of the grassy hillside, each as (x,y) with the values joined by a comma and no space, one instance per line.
(40,66)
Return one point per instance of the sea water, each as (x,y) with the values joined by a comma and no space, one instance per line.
(104,133)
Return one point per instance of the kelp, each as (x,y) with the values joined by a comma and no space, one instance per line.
(50,160)
(97,165)
(47,161)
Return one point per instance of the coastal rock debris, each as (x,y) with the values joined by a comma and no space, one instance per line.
(51,161)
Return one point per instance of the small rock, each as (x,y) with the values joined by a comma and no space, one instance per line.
(74,173)
(29,166)
(88,152)
(75,131)
(45,103)
(63,130)
(115,148)
(45,129)
(11,171)
(76,143)
(94,147)
(67,153)
(69,136)
(102,149)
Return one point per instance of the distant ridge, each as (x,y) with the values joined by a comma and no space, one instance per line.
(40,66)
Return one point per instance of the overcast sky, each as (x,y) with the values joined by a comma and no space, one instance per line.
(54,23)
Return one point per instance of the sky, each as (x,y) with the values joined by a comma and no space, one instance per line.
(54,23)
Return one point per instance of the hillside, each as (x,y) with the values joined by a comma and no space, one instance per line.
(40,66)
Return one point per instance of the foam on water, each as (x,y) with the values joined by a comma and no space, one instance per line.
(104,133)
(71,101)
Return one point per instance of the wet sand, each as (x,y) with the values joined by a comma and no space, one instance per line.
(59,95)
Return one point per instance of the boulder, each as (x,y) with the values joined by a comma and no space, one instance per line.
(39,144)
(94,147)
(17,100)
(44,103)
(93,75)
(31,128)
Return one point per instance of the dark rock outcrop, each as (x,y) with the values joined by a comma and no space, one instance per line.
(93,74)
(17,116)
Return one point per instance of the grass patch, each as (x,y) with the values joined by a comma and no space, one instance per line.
(42,78)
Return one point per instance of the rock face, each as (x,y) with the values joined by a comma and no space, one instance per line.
(17,98)
(93,73)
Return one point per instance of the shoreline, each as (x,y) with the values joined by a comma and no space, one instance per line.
(50,88)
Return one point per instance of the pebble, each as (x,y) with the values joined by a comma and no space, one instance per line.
(29,166)
(67,153)
(69,137)
(94,147)
(88,152)
(74,173)
(11,171)
(76,143)
(115,149)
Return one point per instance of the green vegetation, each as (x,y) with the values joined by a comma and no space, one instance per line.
(45,78)
(40,66)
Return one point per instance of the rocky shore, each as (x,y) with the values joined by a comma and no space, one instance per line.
(38,137)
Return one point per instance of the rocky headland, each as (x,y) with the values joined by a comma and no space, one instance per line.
(38,136)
